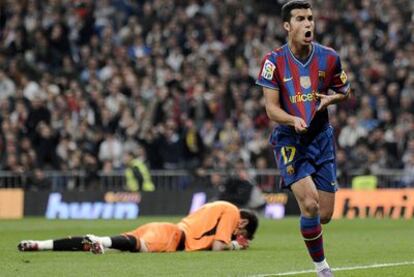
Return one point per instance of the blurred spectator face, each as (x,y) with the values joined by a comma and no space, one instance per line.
(85,52)
(127,158)
(261,163)
(215,179)
(352,121)
(367,113)
(341,156)
(406,101)
(11,148)
(4,106)
(387,117)
(5,126)
(392,90)
(189,123)
(377,134)
(208,125)
(141,153)
(37,103)
(241,172)
(39,174)
(45,131)
(20,107)
(11,161)
(25,161)
(10,138)
(170,128)
(56,32)
(25,144)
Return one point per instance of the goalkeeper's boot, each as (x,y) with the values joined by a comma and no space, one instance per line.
(95,245)
(28,245)
(326,272)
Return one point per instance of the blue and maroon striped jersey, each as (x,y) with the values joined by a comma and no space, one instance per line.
(297,81)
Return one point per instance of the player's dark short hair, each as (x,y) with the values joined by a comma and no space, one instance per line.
(253,222)
(291,5)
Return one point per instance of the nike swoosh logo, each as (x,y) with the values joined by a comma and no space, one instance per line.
(287,79)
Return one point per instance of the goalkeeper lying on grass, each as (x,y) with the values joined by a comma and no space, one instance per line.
(215,226)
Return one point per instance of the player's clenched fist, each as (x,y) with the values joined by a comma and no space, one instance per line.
(300,125)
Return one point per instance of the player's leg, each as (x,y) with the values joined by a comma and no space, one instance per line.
(326,205)
(158,237)
(64,244)
(307,197)
(324,178)
(98,244)
(325,182)
(325,174)
(133,241)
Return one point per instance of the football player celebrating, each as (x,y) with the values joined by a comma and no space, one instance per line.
(295,79)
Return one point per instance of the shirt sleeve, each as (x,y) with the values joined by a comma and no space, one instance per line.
(267,75)
(339,82)
(227,224)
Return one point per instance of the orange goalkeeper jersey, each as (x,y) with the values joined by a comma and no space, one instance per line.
(213,221)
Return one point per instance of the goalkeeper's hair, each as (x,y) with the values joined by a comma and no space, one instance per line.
(291,5)
(251,227)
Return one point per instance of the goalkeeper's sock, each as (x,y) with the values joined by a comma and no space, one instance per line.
(44,244)
(105,241)
(125,243)
(67,244)
(312,234)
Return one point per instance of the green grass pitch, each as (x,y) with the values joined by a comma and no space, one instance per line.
(277,249)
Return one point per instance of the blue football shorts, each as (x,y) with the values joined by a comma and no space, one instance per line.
(299,156)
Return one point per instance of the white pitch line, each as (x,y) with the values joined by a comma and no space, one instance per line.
(336,269)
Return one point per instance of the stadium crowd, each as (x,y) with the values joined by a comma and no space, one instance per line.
(82,82)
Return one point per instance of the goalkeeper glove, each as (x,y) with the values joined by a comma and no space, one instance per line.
(240,243)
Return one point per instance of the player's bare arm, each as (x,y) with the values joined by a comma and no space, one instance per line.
(278,115)
(326,100)
(239,244)
(218,245)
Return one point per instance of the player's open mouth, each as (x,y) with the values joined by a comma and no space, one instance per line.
(308,36)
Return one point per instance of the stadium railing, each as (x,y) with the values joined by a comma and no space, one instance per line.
(267,179)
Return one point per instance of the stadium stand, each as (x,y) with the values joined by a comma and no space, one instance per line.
(82,82)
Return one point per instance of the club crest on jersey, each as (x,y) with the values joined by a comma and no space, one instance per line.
(343,77)
(268,69)
(321,74)
(305,82)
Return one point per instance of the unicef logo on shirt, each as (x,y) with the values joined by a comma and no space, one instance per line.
(299,97)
